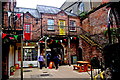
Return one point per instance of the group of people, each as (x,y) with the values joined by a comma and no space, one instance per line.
(56,59)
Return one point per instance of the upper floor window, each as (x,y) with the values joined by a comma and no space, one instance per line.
(27,28)
(81,7)
(72,25)
(27,16)
(62,14)
(50,24)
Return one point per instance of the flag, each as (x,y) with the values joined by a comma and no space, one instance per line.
(9,13)
(61,41)
(3,35)
(15,36)
(71,38)
(18,15)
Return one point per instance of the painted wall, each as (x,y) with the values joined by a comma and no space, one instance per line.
(11,58)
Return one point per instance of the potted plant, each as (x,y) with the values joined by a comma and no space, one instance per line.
(30,65)
(12,70)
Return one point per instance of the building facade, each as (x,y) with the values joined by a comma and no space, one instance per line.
(8,45)
(53,23)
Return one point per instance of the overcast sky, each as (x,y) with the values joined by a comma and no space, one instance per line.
(33,3)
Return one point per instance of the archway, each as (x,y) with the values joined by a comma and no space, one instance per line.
(57,48)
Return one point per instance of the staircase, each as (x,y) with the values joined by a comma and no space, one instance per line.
(90,41)
(93,41)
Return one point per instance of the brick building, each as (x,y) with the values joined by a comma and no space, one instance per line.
(94,22)
(53,23)
(8,46)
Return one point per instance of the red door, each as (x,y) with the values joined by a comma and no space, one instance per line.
(27,31)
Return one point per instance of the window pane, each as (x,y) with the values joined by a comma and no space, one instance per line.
(27,28)
(30,55)
(72,26)
(50,24)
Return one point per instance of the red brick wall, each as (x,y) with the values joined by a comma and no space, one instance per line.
(56,19)
(35,33)
(96,23)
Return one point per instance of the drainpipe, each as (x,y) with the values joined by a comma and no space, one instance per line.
(41,25)
(69,54)
(108,27)
(22,36)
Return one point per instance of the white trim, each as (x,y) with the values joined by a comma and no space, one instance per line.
(28,46)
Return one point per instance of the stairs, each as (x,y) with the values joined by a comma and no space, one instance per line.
(90,41)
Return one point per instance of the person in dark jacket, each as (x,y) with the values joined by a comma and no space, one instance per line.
(56,61)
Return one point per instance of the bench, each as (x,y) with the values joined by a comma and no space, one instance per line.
(75,67)
(79,68)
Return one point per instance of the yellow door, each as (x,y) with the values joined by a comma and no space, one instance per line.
(61,27)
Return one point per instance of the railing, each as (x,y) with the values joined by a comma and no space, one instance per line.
(94,40)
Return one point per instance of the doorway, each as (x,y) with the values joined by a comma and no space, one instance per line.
(57,48)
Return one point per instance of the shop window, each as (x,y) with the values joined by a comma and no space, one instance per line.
(30,55)
(72,25)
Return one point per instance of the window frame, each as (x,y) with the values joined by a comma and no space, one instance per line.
(72,25)
(50,25)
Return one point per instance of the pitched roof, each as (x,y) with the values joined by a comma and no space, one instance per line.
(47,9)
(51,10)
(33,12)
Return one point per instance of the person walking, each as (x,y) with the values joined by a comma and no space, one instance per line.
(48,58)
(41,60)
(56,61)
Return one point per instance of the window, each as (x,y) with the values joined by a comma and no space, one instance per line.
(72,25)
(81,7)
(27,16)
(27,28)
(62,14)
(50,24)
(30,54)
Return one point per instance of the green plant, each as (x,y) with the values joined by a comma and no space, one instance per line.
(83,15)
(30,65)
(12,69)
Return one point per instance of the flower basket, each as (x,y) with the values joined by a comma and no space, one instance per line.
(11,73)
(30,65)
(12,70)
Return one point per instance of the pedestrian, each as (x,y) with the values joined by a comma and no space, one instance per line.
(48,58)
(59,59)
(56,60)
(41,60)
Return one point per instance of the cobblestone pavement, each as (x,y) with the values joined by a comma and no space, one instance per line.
(63,72)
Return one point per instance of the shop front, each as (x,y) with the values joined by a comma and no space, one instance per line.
(30,56)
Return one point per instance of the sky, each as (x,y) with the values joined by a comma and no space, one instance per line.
(33,3)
